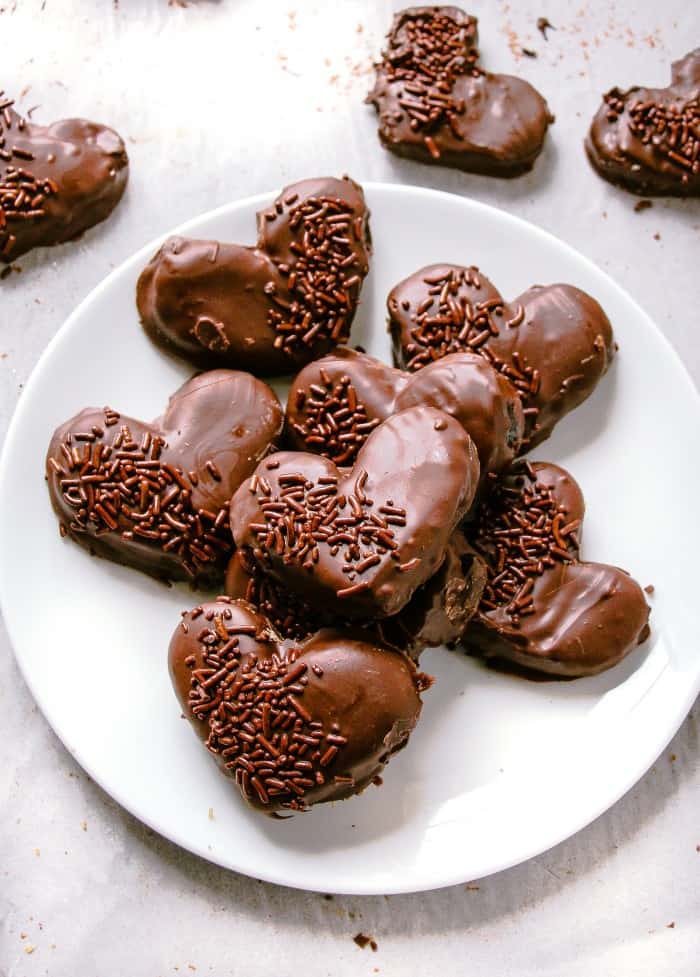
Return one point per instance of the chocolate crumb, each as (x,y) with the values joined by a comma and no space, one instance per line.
(328,897)
(672,758)
(649,589)
(365,941)
(642,205)
(528,52)
(657,236)
(543,25)
(670,926)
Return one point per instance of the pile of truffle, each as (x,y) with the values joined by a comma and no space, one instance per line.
(386,511)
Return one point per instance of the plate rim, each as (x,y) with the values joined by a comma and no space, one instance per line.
(142,255)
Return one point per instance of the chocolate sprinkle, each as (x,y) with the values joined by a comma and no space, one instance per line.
(305,514)
(113,483)
(22,195)
(335,420)
(258,724)
(437,52)
(327,267)
(520,530)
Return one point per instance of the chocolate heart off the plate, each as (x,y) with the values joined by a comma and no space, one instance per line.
(55,181)
(358,542)
(294,724)
(553,342)
(437,105)
(269,308)
(542,608)
(437,613)
(155,495)
(647,140)
(335,402)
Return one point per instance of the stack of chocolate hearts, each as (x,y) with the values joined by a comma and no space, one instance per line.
(388,511)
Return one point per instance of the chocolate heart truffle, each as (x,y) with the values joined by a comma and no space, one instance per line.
(293,724)
(553,342)
(55,181)
(155,496)
(269,308)
(437,614)
(542,608)
(436,104)
(647,140)
(358,542)
(335,402)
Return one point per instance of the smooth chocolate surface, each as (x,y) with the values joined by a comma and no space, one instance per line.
(269,308)
(359,542)
(56,181)
(335,402)
(436,614)
(542,608)
(647,140)
(437,105)
(553,342)
(294,724)
(155,496)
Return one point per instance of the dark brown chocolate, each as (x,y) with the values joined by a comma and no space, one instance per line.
(335,402)
(359,542)
(269,308)
(155,496)
(55,181)
(542,608)
(437,614)
(292,724)
(437,105)
(553,342)
(647,140)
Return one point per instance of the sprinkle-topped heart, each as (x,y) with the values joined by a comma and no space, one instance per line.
(294,724)
(155,495)
(55,181)
(273,307)
(647,140)
(335,403)
(437,105)
(358,542)
(543,608)
(554,342)
(437,613)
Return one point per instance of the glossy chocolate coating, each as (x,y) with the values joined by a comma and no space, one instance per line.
(359,700)
(74,173)
(495,125)
(216,429)
(214,303)
(582,618)
(647,140)
(359,542)
(437,613)
(554,342)
(463,385)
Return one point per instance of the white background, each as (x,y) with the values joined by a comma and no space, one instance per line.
(218,101)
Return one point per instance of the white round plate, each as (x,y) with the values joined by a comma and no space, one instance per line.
(499,768)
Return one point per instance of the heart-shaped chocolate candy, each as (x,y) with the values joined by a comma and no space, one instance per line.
(335,402)
(55,181)
(647,140)
(553,342)
(155,496)
(437,105)
(542,608)
(273,307)
(358,542)
(437,613)
(294,724)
